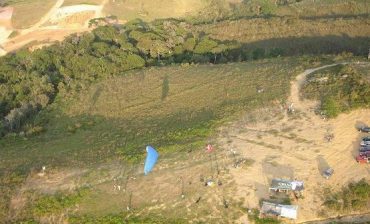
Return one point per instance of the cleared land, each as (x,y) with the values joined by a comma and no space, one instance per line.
(71,22)
(293,146)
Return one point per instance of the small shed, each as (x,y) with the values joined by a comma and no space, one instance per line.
(272,209)
(286,185)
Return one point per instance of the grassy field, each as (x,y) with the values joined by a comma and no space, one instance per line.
(317,8)
(116,118)
(25,14)
(129,109)
(295,36)
(153,9)
(77,2)
(326,7)
(209,10)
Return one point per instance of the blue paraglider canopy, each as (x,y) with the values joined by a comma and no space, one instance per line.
(151,159)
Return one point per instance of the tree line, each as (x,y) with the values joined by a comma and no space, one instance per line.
(29,81)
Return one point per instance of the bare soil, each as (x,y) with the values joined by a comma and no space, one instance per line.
(293,146)
(40,33)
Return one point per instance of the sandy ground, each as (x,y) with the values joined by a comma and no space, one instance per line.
(45,35)
(45,18)
(5,26)
(61,17)
(293,146)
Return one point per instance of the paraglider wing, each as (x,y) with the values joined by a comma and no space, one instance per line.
(151,159)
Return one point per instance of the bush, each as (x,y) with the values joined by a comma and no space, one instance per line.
(340,88)
(34,130)
(52,204)
(330,107)
(354,197)
(258,53)
(254,215)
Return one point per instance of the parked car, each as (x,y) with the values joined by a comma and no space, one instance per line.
(365,148)
(365,141)
(328,173)
(367,153)
(363,159)
(365,129)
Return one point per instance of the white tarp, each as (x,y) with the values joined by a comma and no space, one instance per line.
(297,185)
(289,211)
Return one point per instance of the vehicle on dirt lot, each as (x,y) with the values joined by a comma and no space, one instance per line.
(363,158)
(328,173)
(365,141)
(365,148)
(364,153)
(365,129)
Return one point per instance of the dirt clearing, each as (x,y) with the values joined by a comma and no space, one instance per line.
(293,146)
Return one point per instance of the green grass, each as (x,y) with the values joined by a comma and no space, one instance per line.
(57,203)
(121,115)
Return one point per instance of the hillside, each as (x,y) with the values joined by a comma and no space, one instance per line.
(235,96)
(129,112)
(89,140)
(259,23)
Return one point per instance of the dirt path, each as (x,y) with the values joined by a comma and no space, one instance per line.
(299,80)
(363,218)
(43,19)
(48,34)
(100,12)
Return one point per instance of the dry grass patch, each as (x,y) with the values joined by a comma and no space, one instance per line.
(77,2)
(28,12)
(153,9)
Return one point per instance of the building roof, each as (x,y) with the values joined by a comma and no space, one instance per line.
(287,211)
(281,184)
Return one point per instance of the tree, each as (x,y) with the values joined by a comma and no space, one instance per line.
(189,44)
(218,50)
(205,46)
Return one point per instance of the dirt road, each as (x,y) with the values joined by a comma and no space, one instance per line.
(43,19)
(48,34)
(298,82)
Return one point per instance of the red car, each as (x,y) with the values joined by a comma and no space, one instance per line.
(363,159)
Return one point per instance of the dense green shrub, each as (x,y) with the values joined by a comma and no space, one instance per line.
(330,107)
(53,204)
(354,197)
(254,215)
(341,88)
